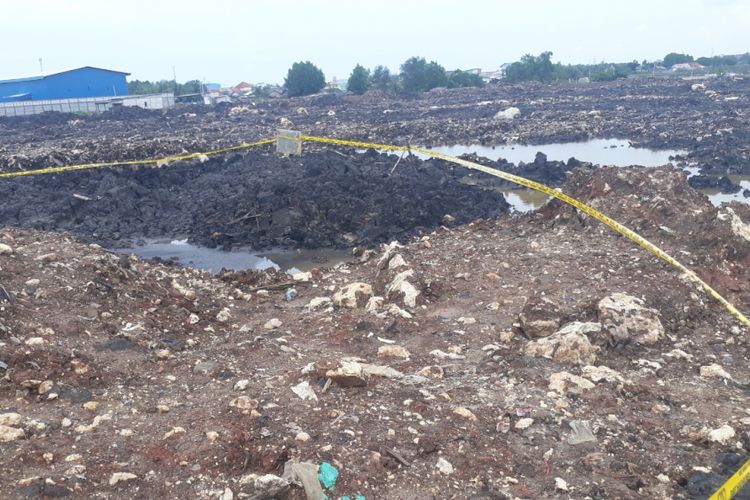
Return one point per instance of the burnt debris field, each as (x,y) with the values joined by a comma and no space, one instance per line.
(465,348)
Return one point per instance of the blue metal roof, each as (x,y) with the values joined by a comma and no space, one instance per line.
(32,78)
(19,80)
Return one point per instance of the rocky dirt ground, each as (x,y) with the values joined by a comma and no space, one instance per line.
(709,120)
(532,356)
(524,356)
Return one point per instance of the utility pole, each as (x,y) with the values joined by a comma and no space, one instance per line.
(41,66)
(174,74)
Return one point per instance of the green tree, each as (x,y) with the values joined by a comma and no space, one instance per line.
(417,75)
(262,91)
(539,68)
(463,79)
(381,79)
(674,58)
(140,87)
(359,80)
(304,78)
(190,87)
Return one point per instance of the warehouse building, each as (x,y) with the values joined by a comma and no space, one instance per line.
(82,90)
(73,84)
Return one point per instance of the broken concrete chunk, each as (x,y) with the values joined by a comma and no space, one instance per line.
(569,345)
(396,262)
(444,466)
(304,391)
(389,251)
(437,353)
(393,351)
(722,435)
(303,277)
(524,423)
(223,315)
(245,403)
(564,382)
(119,477)
(400,285)
(465,412)
(394,310)
(5,249)
(508,114)
(353,295)
(10,419)
(355,374)
(318,303)
(714,370)
(539,317)
(263,487)
(93,425)
(272,324)
(374,304)
(599,373)
(738,227)
(626,319)
(8,434)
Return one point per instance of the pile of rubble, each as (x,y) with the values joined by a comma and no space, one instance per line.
(527,357)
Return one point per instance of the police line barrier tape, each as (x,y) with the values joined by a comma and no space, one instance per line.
(734,484)
(159,161)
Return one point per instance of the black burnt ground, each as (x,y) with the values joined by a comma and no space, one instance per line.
(322,199)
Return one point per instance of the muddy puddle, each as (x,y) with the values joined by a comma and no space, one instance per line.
(603,152)
(214,259)
(717,197)
(520,199)
(715,194)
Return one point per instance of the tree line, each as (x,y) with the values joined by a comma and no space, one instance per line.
(541,68)
(418,75)
(140,87)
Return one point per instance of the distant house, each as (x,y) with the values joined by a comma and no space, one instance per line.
(243,88)
(688,66)
(72,84)
(337,84)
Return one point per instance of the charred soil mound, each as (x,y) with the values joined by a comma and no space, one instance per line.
(322,199)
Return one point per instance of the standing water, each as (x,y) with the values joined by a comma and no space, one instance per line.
(214,259)
(604,152)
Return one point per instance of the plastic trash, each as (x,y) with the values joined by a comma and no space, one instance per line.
(290,294)
(328,474)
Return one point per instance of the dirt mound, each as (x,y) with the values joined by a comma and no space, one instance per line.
(322,199)
(124,378)
(659,204)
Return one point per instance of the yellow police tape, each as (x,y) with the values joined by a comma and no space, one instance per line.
(734,484)
(631,235)
(159,161)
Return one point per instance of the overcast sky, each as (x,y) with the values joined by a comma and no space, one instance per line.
(229,41)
